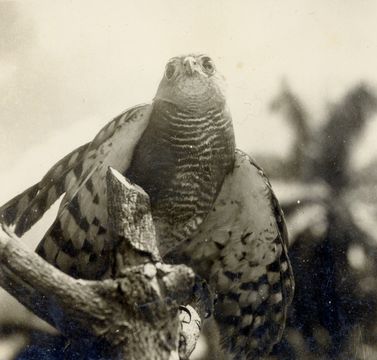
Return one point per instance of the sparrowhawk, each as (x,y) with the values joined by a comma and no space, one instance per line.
(213,208)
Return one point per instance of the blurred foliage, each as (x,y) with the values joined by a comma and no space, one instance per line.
(333,246)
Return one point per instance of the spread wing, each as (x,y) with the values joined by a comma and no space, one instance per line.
(77,242)
(81,176)
(242,245)
(27,208)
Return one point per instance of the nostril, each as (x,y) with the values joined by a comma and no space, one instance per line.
(190,65)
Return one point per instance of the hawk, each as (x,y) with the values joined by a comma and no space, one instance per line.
(213,208)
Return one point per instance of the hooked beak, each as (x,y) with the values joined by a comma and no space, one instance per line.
(191,65)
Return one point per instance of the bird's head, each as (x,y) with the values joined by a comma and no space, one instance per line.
(192,80)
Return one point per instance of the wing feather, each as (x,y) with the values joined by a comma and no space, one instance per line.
(68,176)
(27,208)
(241,249)
(286,271)
(77,242)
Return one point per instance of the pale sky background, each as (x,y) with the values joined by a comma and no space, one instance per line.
(68,67)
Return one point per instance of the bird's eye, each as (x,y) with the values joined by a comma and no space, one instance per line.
(169,71)
(208,66)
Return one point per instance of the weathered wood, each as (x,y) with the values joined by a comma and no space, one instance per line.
(131,222)
(135,315)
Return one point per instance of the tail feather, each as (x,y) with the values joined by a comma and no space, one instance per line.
(27,208)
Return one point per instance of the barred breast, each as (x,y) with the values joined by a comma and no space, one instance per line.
(181,161)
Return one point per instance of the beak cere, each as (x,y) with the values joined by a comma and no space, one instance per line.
(190,64)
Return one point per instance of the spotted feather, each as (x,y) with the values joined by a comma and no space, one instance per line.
(241,249)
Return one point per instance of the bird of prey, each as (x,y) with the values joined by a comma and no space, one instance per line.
(213,208)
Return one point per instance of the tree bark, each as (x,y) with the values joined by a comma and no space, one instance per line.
(133,316)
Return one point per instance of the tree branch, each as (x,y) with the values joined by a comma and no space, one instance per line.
(135,315)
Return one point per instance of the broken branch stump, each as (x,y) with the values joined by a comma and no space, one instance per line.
(133,316)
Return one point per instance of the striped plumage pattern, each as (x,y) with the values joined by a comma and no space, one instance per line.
(156,147)
(212,207)
(189,153)
(28,207)
(78,242)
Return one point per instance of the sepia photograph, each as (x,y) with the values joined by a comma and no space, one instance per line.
(188,180)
